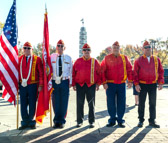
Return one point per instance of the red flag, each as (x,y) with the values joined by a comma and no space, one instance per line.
(9,57)
(44,95)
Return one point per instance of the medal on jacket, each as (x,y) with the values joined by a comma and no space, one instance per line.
(58,78)
(24,80)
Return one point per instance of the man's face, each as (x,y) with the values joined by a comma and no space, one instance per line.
(116,50)
(60,48)
(27,51)
(147,50)
(86,53)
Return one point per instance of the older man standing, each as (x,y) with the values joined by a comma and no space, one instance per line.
(86,80)
(148,71)
(61,82)
(31,81)
(116,68)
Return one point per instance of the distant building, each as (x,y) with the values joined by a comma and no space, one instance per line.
(82,38)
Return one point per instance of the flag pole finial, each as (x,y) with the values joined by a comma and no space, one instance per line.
(45,7)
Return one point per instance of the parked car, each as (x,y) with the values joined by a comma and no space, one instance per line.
(166,76)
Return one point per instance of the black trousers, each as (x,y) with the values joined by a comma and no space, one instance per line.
(89,92)
(28,97)
(151,90)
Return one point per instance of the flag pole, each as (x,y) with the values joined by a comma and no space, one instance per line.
(50,113)
(50,95)
(17,121)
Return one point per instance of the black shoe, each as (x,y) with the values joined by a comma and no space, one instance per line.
(56,125)
(33,127)
(79,125)
(61,126)
(121,125)
(22,127)
(140,124)
(92,125)
(154,125)
(110,124)
(136,104)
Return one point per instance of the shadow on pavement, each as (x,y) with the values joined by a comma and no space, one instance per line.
(98,115)
(6,103)
(36,136)
(18,132)
(140,136)
(127,135)
(102,114)
(129,108)
(62,135)
(97,135)
(94,137)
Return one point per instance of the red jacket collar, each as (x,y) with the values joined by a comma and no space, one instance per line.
(86,59)
(115,55)
(145,56)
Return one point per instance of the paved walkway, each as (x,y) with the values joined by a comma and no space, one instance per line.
(100,133)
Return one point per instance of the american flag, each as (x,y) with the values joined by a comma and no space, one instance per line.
(9,57)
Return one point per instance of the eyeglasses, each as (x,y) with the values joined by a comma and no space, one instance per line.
(146,47)
(60,46)
(86,49)
(28,48)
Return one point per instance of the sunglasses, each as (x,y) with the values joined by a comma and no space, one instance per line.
(28,48)
(146,47)
(60,46)
(86,49)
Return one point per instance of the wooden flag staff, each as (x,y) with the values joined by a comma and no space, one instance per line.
(50,113)
(17,120)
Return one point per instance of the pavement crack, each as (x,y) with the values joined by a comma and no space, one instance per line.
(99,127)
(159,131)
(20,133)
(6,125)
(128,124)
(99,130)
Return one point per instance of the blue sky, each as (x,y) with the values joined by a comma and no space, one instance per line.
(128,21)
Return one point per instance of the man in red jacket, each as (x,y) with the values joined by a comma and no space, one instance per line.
(86,79)
(31,81)
(148,71)
(115,70)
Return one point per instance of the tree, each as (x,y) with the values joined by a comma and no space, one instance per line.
(131,51)
(38,50)
(105,52)
(159,47)
(102,55)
